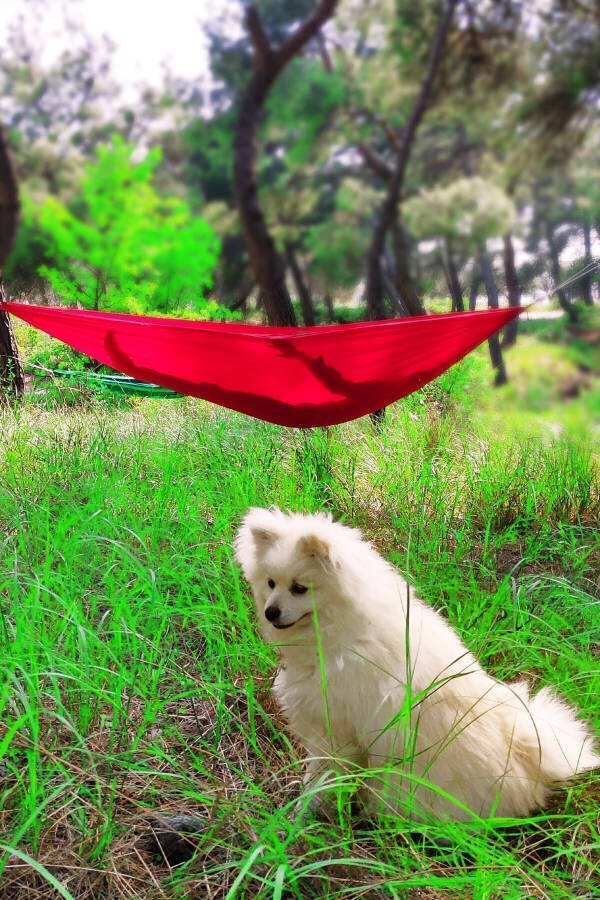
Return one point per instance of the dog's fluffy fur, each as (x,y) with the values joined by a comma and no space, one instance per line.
(372,677)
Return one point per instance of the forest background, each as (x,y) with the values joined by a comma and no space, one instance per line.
(319,161)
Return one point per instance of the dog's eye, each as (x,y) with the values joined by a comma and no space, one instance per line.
(299,589)
(271,583)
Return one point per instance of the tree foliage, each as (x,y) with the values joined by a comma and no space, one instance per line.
(468,210)
(507,150)
(125,247)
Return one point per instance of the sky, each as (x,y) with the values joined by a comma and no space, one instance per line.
(144,33)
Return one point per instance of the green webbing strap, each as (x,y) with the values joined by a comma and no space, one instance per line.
(117,383)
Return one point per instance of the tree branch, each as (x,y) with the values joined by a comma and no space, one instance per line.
(324,52)
(387,129)
(303,34)
(423,99)
(263,52)
(266,263)
(375,162)
(388,210)
(392,137)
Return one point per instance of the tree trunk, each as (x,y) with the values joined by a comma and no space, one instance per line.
(586,281)
(265,261)
(555,269)
(486,273)
(473,292)
(308,311)
(388,210)
(403,281)
(242,299)
(513,290)
(418,268)
(12,380)
(452,279)
(388,275)
(494,303)
(329,306)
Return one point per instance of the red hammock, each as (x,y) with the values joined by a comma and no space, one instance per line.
(300,377)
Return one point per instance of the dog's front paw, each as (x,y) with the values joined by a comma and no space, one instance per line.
(318,800)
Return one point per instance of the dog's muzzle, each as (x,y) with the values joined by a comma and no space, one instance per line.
(273,615)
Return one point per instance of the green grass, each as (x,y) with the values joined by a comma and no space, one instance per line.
(579,343)
(134,681)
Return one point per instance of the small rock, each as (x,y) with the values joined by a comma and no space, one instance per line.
(176,839)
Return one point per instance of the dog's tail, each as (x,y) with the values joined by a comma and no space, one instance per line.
(564,744)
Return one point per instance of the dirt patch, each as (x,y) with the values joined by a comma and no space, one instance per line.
(590,335)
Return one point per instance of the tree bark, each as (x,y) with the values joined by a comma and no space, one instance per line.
(494,302)
(308,311)
(403,280)
(513,290)
(329,306)
(324,52)
(586,281)
(12,379)
(375,162)
(452,279)
(473,292)
(388,210)
(555,269)
(388,274)
(265,261)
(486,273)
(242,299)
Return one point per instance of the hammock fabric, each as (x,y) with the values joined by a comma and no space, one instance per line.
(299,377)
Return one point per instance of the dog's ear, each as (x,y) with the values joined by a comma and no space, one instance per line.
(255,535)
(262,526)
(316,548)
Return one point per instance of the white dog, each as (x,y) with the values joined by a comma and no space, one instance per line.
(373,678)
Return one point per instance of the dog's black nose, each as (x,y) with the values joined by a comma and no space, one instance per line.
(272,613)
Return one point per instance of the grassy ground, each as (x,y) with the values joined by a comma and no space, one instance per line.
(133,681)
